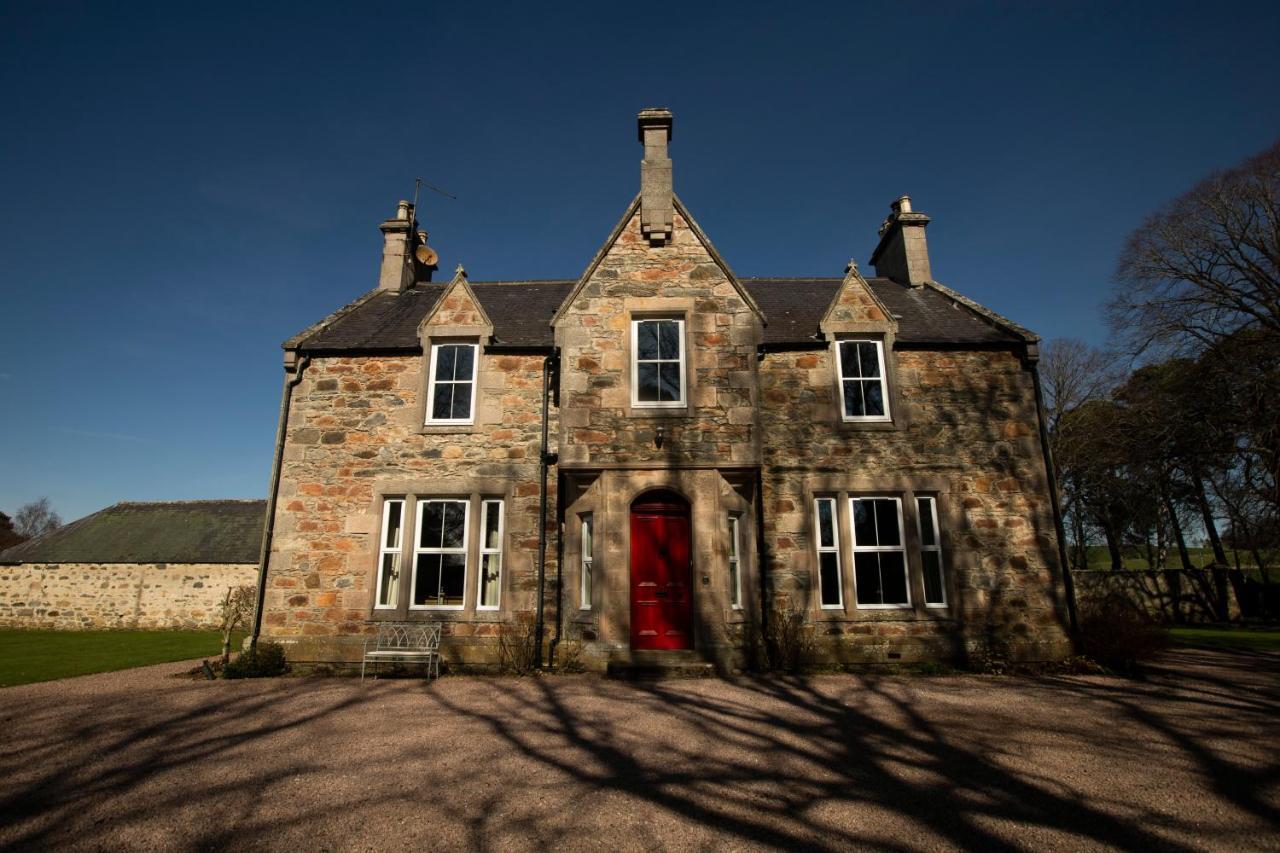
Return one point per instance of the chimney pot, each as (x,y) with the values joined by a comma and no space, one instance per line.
(396,273)
(901,205)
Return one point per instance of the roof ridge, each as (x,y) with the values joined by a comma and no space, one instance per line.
(190,502)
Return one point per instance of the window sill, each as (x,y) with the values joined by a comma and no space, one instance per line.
(866,426)
(635,411)
(884,606)
(448,429)
(439,616)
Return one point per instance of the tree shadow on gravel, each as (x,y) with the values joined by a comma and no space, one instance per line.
(773,761)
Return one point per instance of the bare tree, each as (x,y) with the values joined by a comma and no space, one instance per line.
(36,518)
(1207,265)
(1074,373)
(237,609)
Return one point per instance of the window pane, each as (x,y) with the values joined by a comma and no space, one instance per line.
(454,519)
(646,340)
(864,523)
(445,358)
(734,597)
(932,563)
(733,538)
(826,527)
(461,409)
(669,381)
(442,402)
(873,396)
(893,577)
(453,578)
(868,359)
(887,532)
(492,523)
(848,359)
(853,407)
(464,362)
(491,568)
(647,378)
(668,339)
(928,536)
(388,580)
(426,579)
(394,511)
(432,521)
(829,577)
(588,533)
(866,574)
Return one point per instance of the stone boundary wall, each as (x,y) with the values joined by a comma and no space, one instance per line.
(83,596)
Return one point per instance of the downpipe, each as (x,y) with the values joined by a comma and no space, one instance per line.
(545,459)
(269,524)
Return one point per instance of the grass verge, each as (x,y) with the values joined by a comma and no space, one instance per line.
(30,656)
(1246,639)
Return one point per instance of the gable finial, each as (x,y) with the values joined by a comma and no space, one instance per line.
(851,267)
(459,270)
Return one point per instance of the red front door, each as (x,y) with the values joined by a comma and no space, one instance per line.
(660,574)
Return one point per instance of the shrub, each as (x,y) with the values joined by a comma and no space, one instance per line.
(518,645)
(264,661)
(788,640)
(1118,635)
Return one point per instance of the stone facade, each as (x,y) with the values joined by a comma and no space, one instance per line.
(757,433)
(75,596)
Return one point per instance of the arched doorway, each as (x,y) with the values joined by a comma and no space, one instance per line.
(660,572)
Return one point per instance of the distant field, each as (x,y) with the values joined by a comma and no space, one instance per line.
(1246,639)
(30,656)
(1136,558)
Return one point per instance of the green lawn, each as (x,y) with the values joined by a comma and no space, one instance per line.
(29,656)
(1248,639)
(1136,558)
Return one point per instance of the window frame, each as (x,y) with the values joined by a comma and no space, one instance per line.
(586,558)
(935,548)
(833,548)
(384,550)
(483,551)
(734,561)
(845,417)
(429,407)
(901,548)
(683,365)
(420,508)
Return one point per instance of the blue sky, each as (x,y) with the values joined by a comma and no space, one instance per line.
(183,186)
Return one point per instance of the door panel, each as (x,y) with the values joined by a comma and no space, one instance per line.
(660,573)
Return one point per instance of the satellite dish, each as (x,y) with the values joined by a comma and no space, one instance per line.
(426,256)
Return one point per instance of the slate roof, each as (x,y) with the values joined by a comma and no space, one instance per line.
(521,312)
(225,531)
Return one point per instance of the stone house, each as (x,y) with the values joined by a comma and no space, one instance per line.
(707,452)
(134,565)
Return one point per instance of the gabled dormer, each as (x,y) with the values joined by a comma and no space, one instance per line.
(453,334)
(861,331)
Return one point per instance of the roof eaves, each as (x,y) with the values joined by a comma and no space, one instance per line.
(998,320)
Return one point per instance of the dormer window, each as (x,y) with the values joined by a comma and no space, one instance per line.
(657,363)
(863,393)
(451,397)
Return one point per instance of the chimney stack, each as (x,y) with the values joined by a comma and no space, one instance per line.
(397,247)
(902,254)
(656,207)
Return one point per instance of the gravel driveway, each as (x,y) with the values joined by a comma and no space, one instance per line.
(1188,758)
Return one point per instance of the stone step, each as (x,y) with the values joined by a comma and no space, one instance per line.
(647,665)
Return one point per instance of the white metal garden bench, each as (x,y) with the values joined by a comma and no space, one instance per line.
(413,642)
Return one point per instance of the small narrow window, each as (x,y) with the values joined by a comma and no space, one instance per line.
(440,555)
(657,363)
(735,565)
(389,553)
(828,538)
(490,593)
(935,590)
(588,562)
(451,394)
(879,558)
(863,393)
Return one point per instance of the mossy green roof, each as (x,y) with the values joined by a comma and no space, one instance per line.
(225,531)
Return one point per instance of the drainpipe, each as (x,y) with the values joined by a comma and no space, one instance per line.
(295,365)
(763,581)
(555,641)
(545,459)
(1033,357)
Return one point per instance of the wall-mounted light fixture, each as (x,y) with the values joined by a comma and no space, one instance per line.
(659,436)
